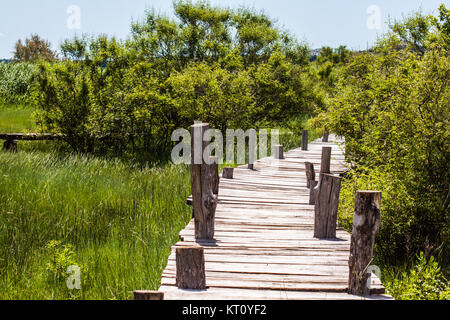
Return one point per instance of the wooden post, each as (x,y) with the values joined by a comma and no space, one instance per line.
(227,173)
(310,174)
(215,179)
(10,145)
(148,295)
(278,152)
(326,206)
(190,268)
(204,201)
(366,221)
(325,136)
(251,149)
(326,160)
(305,140)
(312,191)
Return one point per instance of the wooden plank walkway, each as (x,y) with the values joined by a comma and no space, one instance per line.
(264,246)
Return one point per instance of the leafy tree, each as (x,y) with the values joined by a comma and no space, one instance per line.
(392,106)
(33,49)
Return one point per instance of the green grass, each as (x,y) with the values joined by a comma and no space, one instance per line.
(16,119)
(121,221)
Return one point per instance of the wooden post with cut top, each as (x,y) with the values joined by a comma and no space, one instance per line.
(278,152)
(305,140)
(325,136)
(215,179)
(310,174)
(326,206)
(312,191)
(251,149)
(227,173)
(204,201)
(190,264)
(366,221)
(10,145)
(325,164)
(148,295)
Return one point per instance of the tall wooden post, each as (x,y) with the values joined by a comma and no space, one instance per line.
(310,174)
(148,295)
(190,268)
(215,179)
(366,221)
(204,201)
(305,140)
(278,152)
(326,206)
(312,191)
(251,149)
(325,136)
(325,164)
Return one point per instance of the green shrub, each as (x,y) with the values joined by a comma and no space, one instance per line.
(392,107)
(16,81)
(424,281)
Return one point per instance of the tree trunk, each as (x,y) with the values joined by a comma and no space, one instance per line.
(190,268)
(366,221)
(326,206)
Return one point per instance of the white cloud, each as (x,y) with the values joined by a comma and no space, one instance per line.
(2,34)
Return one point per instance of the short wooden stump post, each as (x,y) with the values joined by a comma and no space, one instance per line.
(204,201)
(148,295)
(366,221)
(325,164)
(278,152)
(227,173)
(10,145)
(190,268)
(305,140)
(325,136)
(310,174)
(326,206)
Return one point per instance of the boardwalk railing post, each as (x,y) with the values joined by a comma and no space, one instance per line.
(204,201)
(10,145)
(312,191)
(148,295)
(227,173)
(190,264)
(304,140)
(215,179)
(251,149)
(325,164)
(326,206)
(325,136)
(310,174)
(278,152)
(366,221)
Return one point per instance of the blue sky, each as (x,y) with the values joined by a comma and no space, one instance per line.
(319,22)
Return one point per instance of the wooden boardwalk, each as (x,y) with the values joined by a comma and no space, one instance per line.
(264,246)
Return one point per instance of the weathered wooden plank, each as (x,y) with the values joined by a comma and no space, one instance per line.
(173,293)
